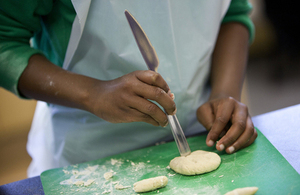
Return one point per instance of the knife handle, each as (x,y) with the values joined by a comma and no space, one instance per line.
(178,134)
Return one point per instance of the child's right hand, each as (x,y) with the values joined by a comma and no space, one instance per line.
(126,99)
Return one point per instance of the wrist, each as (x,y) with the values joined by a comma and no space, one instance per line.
(219,95)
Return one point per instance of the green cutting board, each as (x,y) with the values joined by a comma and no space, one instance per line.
(259,165)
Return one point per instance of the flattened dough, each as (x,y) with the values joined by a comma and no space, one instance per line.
(197,162)
(150,184)
(243,191)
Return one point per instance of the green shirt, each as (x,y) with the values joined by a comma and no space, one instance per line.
(47,24)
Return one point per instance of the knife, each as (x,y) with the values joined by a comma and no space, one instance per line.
(149,54)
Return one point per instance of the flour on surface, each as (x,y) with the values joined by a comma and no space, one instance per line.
(117,162)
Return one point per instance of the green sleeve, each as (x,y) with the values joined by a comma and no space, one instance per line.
(46,24)
(238,11)
(18,22)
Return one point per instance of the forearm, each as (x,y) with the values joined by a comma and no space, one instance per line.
(45,81)
(229,61)
(124,99)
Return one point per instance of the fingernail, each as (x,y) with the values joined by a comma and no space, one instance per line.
(231,149)
(210,143)
(173,96)
(221,147)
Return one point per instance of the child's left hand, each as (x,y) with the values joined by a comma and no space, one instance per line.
(228,119)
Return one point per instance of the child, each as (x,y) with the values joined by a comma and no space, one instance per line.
(87,67)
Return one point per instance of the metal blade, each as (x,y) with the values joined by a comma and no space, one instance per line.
(151,59)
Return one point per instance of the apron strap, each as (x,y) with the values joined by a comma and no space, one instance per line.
(82,9)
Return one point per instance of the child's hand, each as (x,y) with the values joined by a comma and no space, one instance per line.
(229,119)
(126,99)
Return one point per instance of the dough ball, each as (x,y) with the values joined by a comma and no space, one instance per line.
(150,184)
(243,191)
(197,162)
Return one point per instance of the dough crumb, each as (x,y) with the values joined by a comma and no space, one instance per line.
(171,175)
(84,183)
(243,191)
(108,175)
(150,184)
(65,171)
(88,182)
(106,191)
(78,183)
(113,161)
(121,187)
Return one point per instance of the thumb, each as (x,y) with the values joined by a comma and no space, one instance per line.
(205,115)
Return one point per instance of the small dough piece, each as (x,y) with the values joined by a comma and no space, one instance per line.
(243,191)
(197,162)
(108,175)
(121,187)
(89,182)
(150,184)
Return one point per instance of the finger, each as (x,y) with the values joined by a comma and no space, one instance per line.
(147,108)
(156,94)
(252,139)
(238,126)
(206,115)
(223,114)
(153,78)
(134,115)
(246,138)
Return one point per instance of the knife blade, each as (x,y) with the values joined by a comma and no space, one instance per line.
(149,54)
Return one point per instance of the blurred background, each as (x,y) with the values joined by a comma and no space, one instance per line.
(272,82)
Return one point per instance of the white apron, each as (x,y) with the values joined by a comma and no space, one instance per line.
(102,46)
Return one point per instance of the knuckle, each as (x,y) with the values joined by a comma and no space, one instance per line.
(243,106)
(229,99)
(126,83)
(151,108)
(241,124)
(154,76)
(124,98)
(158,93)
(221,120)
